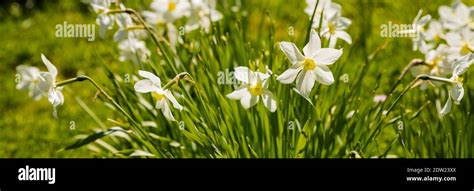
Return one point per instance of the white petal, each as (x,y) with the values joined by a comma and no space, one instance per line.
(248,101)
(51,68)
(55,97)
(457,93)
(239,93)
(269,101)
(154,79)
(344,36)
(327,56)
(313,45)
(243,74)
(324,75)
(173,100)
(292,52)
(305,82)
(447,107)
(463,64)
(145,86)
(165,109)
(289,75)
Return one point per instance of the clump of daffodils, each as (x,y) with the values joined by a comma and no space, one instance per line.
(327,17)
(171,17)
(129,33)
(310,66)
(447,44)
(41,83)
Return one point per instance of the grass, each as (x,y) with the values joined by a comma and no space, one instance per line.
(213,126)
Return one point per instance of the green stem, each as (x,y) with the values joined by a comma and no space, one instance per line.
(120,108)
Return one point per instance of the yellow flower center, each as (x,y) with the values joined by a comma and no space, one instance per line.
(465,49)
(309,64)
(157,96)
(437,38)
(256,90)
(459,79)
(171,6)
(332,28)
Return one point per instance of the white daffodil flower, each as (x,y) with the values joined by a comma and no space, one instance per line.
(41,83)
(461,42)
(418,30)
(434,34)
(325,7)
(55,96)
(167,11)
(456,92)
(134,50)
(203,13)
(437,63)
(152,84)
(254,85)
(333,28)
(124,21)
(104,20)
(29,80)
(310,67)
(457,16)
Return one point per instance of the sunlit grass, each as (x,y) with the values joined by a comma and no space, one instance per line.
(342,117)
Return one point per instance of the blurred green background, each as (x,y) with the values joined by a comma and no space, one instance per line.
(27,28)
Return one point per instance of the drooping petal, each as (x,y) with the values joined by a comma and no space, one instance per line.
(239,93)
(305,82)
(165,109)
(344,36)
(327,56)
(51,68)
(152,77)
(269,101)
(313,45)
(292,52)
(173,100)
(248,101)
(324,75)
(145,86)
(447,107)
(289,75)
(456,93)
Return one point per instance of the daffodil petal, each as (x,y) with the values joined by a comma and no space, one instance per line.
(152,77)
(239,93)
(457,93)
(51,68)
(289,75)
(244,75)
(305,82)
(292,52)
(313,45)
(145,86)
(269,101)
(324,75)
(173,100)
(447,107)
(248,101)
(327,56)
(344,36)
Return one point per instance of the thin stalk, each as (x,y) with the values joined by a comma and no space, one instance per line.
(120,108)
